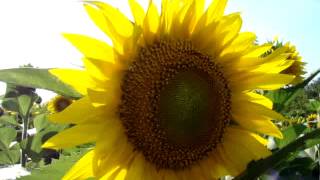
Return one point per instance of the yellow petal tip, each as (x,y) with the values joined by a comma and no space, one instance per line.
(49,145)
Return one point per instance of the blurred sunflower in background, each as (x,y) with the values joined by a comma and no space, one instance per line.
(312,120)
(58,104)
(172,97)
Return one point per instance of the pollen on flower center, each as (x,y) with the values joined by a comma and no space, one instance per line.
(175,104)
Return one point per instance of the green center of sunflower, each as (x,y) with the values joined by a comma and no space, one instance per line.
(185,108)
(175,104)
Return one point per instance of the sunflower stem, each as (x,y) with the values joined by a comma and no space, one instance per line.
(257,168)
(25,121)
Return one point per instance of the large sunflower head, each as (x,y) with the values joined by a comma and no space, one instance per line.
(173,97)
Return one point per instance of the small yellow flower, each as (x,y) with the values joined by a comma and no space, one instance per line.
(312,120)
(173,97)
(58,104)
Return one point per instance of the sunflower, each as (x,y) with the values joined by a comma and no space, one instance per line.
(297,67)
(173,97)
(312,120)
(58,104)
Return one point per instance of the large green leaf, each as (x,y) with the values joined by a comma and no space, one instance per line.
(37,78)
(10,104)
(283,97)
(256,168)
(290,134)
(9,120)
(40,122)
(10,156)
(25,103)
(7,135)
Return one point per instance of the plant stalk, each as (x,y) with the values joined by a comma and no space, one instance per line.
(25,121)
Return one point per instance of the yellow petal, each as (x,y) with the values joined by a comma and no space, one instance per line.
(252,97)
(82,169)
(91,48)
(274,67)
(256,117)
(230,26)
(116,174)
(214,165)
(257,51)
(112,22)
(169,175)
(246,107)
(102,71)
(189,21)
(168,13)
(136,169)
(251,141)
(121,175)
(111,174)
(265,81)
(225,161)
(73,136)
(151,23)
(241,43)
(97,17)
(113,151)
(273,63)
(214,12)
(196,173)
(205,37)
(137,12)
(150,171)
(118,157)
(80,111)
(114,18)
(68,76)
(259,124)
(109,98)
(241,147)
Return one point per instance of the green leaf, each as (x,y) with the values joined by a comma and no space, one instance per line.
(10,104)
(256,168)
(10,156)
(299,167)
(283,97)
(56,170)
(314,105)
(40,122)
(25,103)
(9,120)
(37,78)
(7,135)
(290,134)
(45,130)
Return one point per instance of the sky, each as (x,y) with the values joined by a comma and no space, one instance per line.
(30,31)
